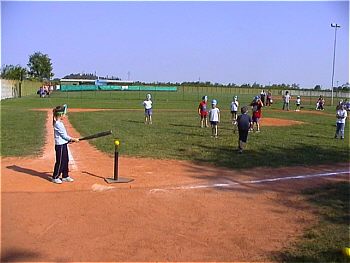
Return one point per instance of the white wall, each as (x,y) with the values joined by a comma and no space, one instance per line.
(9,89)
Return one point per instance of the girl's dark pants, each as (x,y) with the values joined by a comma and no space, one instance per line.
(61,165)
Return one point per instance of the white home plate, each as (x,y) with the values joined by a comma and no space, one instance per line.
(100,187)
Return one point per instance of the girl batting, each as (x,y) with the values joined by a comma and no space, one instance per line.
(61,141)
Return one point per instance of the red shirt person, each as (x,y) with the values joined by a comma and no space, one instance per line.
(203,112)
(257,113)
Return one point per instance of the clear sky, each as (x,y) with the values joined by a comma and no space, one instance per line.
(225,42)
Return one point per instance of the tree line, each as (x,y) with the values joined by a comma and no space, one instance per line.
(40,68)
(89,76)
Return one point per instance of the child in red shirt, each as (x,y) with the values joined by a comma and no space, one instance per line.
(257,105)
(203,112)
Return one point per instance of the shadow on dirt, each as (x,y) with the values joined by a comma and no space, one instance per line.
(93,175)
(16,255)
(43,175)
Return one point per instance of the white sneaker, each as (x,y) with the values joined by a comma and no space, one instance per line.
(68,179)
(57,181)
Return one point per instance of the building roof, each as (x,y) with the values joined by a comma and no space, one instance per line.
(94,80)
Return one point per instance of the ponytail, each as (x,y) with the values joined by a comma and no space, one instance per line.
(58,111)
(53,117)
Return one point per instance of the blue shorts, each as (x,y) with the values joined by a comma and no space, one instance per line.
(148,112)
(214,123)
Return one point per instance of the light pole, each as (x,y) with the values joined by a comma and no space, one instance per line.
(335,42)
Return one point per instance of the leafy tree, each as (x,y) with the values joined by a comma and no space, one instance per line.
(246,86)
(256,85)
(13,72)
(40,66)
(295,86)
(345,87)
(317,87)
(89,76)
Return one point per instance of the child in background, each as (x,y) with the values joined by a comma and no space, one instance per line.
(320,103)
(263,96)
(286,98)
(346,104)
(341,117)
(214,117)
(148,109)
(61,141)
(256,105)
(269,98)
(202,111)
(244,123)
(234,109)
(297,103)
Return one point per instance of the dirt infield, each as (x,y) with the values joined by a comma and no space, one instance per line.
(278,122)
(164,215)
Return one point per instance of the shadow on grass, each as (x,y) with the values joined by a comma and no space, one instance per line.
(333,255)
(324,241)
(198,126)
(334,197)
(132,121)
(43,175)
(274,156)
(183,125)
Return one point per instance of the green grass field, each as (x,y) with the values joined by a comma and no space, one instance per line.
(176,134)
(323,243)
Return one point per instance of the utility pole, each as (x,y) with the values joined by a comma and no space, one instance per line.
(336,26)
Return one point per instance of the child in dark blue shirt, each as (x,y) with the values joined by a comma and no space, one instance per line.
(244,123)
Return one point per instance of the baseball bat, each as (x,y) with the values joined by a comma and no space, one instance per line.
(96,135)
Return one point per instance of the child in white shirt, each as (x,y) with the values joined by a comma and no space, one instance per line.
(341,117)
(297,103)
(234,109)
(148,109)
(214,118)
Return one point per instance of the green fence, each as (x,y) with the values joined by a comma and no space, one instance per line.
(30,87)
(68,88)
(183,93)
(172,93)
